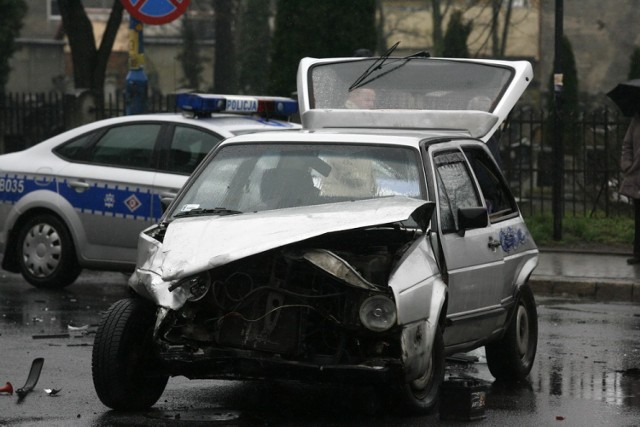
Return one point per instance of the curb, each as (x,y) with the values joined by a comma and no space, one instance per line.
(604,250)
(597,289)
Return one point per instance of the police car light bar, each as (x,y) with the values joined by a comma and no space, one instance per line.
(203,105)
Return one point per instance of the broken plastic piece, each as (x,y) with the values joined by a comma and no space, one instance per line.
(52,391)
(7,388)
(78,328)
(32,379)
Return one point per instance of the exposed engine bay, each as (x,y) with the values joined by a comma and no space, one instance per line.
(301,302)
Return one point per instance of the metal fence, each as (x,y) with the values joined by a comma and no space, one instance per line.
(27,119)
(591,144)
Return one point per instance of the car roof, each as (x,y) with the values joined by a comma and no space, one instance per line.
(403,137)
(227,125)
(413,92)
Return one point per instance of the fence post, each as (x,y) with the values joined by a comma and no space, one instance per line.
(558,149)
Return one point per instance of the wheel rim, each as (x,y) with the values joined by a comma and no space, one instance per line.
(41,250)
(522,330)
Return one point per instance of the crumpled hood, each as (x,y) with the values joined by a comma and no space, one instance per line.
(192,245)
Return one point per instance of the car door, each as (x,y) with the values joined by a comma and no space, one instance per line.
(473,260)
(109,184)
(182,151)
(504,217)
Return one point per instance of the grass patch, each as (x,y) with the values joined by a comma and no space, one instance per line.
(581,231)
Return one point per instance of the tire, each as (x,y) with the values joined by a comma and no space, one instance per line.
(46,256)
(420,396)
(126,374)
(511,358)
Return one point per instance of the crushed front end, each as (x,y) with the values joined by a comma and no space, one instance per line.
(317,309)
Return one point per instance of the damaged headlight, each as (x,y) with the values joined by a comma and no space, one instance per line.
(378,313)
(197,286)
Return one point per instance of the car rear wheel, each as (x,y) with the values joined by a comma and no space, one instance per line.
(420,396)
(126,374)
(46,255)
(512,357)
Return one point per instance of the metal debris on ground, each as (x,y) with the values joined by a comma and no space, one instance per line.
(52,391)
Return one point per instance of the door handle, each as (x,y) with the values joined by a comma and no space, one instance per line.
(494,244)
(79,185)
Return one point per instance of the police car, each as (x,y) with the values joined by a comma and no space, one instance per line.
(363,248)
(79,199)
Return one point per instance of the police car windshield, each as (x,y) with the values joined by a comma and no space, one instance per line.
(260,177)
(414,83)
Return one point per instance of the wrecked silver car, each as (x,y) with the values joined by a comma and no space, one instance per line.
(364,248)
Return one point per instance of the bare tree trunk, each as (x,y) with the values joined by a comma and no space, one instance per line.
(438,35)
(106,46)
(382,41)
(89,63)
(505,29)
(495,24)
(79,31)
(224,67)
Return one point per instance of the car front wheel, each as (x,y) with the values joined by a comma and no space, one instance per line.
(46,255)
(126,375)
(511,358)
(420,396)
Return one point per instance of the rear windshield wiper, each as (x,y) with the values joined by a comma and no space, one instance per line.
(360,81)
(202,211)
(377,64)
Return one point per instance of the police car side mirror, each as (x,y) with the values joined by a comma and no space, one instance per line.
(469,218)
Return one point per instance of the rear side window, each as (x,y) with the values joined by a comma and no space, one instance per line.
(188,148)
(497,197)
(76,149)
(126,146)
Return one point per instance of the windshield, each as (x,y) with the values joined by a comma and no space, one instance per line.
(408,83)
(249,178)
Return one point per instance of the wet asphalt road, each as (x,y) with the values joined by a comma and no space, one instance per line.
(587,372)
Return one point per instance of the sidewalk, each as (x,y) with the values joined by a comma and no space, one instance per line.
(605,277)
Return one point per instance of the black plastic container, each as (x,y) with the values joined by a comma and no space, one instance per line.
(462,399)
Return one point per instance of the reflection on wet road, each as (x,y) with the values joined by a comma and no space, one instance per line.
(587,371)
(25,309)
(590,351)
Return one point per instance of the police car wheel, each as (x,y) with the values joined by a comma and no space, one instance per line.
(46,254)
(511,358)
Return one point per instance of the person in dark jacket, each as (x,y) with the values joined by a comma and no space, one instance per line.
(630,187)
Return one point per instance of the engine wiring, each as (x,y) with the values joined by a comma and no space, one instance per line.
(243,317)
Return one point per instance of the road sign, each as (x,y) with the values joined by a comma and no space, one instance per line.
(155,12)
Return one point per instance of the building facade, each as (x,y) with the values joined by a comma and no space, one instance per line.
(42,62)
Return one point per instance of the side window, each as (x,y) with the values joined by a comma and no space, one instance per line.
(188,148)
(126,146)
(500,203)
(75,150)
(455,188)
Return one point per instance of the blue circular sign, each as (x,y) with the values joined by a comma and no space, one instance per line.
(155,12)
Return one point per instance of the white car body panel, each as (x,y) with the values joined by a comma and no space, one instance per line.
(192,245)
